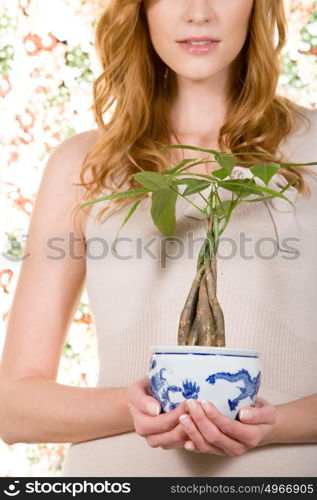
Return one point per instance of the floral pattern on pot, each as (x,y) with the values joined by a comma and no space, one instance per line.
(229,381)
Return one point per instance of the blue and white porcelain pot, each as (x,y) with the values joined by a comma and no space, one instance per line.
(229,378)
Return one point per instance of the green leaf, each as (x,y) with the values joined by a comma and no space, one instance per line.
(258,199)
(179,166)
(195,186)
(188,180)
(180,182)
(241,186)
(265,171)
(152,180)
(256,189)
(273,196)
(221,173)
(226,161)
(123,194)
(278,194)
(196,176)
(163,210)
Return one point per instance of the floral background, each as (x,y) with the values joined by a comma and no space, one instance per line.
(47,66)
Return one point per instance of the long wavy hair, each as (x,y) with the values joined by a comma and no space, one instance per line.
(132,88)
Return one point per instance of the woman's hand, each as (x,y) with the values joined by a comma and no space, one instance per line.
(163,430)
(210,431)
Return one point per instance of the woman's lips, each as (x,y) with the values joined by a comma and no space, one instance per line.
(198,49)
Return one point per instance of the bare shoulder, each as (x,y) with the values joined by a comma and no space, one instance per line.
(62,173)
(71,152)
(76,146)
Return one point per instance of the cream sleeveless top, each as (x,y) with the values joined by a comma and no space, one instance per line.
(267,288)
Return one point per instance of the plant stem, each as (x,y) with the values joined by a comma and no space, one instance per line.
(211,279)
(189,201)
(233,206)
(207,326)
(196,163)
(193,334)
(188,313)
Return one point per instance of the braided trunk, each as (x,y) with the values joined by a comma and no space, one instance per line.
(202,320)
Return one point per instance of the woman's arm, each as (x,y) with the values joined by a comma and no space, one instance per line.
(296,422)
(38,410)
(33,407)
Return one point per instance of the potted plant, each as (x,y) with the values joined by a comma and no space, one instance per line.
(202,365)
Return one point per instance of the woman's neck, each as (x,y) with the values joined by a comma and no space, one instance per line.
(200,107)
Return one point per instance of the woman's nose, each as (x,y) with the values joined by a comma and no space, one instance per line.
(198,11)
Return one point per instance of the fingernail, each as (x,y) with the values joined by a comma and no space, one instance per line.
(153,409)
(245,415)
(183,420)
(205,405)
(189,446)
(192,405)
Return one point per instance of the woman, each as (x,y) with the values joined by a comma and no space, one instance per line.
(220,96)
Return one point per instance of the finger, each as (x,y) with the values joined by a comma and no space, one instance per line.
(239,431)
(189,446)
(260,402)
(211,433)
(262,413)
(168,440)
(146,425)
(195,436)
(140,397)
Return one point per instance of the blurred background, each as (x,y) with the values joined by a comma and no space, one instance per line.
(47,67)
